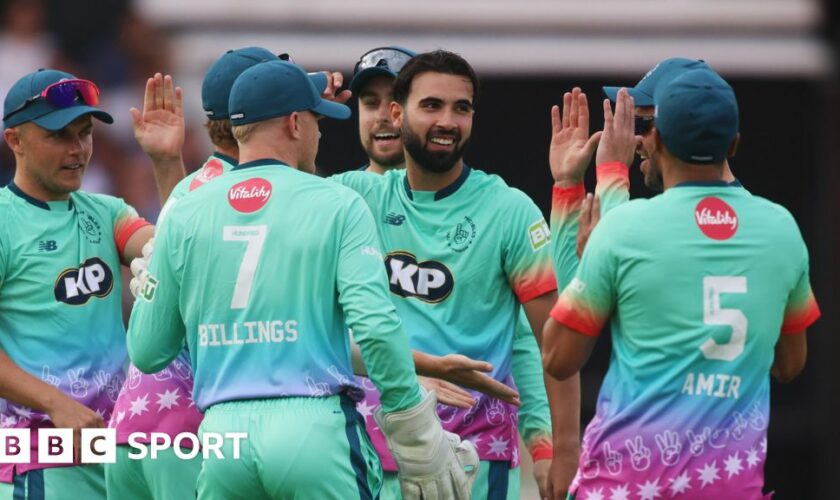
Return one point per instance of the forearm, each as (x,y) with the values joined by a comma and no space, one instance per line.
(534,414)
(613,185)
(22,388)
(564,400)
(168,173)
(565,215)
(388,363)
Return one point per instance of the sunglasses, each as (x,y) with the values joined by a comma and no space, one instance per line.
(63,94)
(386,57)
(642,124)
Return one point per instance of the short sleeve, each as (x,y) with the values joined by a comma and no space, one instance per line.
(527,252)
(586,303)
(125,221)
(801,310)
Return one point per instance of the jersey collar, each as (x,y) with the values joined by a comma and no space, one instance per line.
(258,163)
(34,201)
(443,193)
(225,158)
(705,184)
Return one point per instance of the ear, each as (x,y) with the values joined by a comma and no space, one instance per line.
(12,136)
(294,126)
(396,114)
(733,148)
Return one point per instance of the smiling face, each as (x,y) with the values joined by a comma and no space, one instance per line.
(379,137)
(436,120)
(51,163)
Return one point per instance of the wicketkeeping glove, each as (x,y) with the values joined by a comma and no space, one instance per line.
(140,268)
(433,463)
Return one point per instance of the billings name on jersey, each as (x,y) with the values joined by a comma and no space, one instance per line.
(429,281)
(75,286)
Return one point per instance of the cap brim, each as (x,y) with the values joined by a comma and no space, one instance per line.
(319,80)
(60,118)
(639,97)
(360,78)
(332,110)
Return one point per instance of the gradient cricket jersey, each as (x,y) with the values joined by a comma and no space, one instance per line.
(162,401)
(698,283)
(460,261)
(260,270)
(60,302)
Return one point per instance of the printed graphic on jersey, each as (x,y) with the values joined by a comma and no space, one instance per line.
(249,195)
(212,169)
(76,286)
(429,281)
(394,219)
(716,218)
(460,237)
(90,227)
(47,246)
(539,234)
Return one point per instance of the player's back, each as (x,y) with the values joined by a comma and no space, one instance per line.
(257,252)
(704,278)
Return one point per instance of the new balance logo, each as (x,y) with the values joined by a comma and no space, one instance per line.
(47,246)
(394,219)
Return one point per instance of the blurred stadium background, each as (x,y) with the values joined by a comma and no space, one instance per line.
(779,55)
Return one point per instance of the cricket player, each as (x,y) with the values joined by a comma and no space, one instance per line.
(372,83)
(464,252)
(62,347)
(708,292)
(244,270)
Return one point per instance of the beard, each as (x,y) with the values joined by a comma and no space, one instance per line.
(653,178)
(433,161)
(386,161)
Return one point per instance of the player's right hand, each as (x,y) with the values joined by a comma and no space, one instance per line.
(447,394)
(432,463)
(67,413)
(618,141)
(140,269)
(571,146)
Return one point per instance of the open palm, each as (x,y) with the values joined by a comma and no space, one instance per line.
(159,129)
(571,147)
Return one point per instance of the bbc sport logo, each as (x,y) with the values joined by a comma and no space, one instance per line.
(55,446)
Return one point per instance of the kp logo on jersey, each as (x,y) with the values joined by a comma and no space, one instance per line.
(77,285)
(429,281)
(250,195)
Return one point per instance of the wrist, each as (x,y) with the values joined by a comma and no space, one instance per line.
(541,451)
(568,182)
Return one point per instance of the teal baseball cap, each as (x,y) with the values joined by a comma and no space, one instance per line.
(697,116)
(215,88)
(381,61)
(644,92)
(278,88)
(64,103)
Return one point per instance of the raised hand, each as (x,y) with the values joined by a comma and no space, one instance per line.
(618,142)
(159,128)
(334,82)
(571,145)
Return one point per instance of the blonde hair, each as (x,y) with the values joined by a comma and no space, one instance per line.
(220,133)
(244,132)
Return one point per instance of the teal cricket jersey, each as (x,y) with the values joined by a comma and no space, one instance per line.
(60,301)
(698,282)
(260,270)
(216,165)
(459,262)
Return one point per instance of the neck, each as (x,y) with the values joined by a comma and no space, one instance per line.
(676,172)
(376,168)
(421,179)
(232,152)
(33,188)
(728,176)
(248,153)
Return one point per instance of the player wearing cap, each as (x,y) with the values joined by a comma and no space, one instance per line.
(62,347)
(696,316)
(464,251)
(373,82)
(267,347)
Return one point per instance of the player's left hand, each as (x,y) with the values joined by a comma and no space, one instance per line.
(561,473)
(618,141)
(159,128)
(571,146)
(542,468)
(334,82)
(448,394)
(590,214)
(469,373)
(140,269)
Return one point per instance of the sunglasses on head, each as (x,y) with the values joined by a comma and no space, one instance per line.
(642,124)
(387,58)
(63,94)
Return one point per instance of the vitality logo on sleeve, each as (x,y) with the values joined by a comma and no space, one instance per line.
(76,286)
(429,281)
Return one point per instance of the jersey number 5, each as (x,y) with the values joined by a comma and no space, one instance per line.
(713,287)
(254,236)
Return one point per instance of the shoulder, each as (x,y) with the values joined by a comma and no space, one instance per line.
(98,201)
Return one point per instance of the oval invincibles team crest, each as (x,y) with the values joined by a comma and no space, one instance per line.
(249,195)
(716,218)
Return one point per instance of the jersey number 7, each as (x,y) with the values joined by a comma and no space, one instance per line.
(254,236)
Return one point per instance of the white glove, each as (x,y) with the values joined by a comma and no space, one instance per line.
(140,269)
(433,463)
